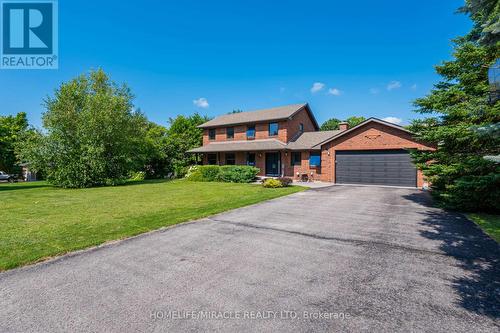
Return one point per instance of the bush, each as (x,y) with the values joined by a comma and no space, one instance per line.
(237,173)
(210,173)
(226,173)
(137,176)
(285,181)
(272,183)
(472,193)
(192,169)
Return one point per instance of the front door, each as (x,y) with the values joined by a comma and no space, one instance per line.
(272,164)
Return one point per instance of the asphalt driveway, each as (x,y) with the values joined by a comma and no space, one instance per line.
(332,259)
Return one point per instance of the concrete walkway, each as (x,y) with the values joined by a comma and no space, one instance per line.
(334,259)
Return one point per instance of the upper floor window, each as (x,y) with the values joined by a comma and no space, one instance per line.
(301,127)
(230,133)
(251,131)
(296,158)
(211,134)
(315,159)
(230,159)
(273,129)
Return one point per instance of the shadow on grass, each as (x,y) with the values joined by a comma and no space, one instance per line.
(22,186)
(32,185)
(476,253)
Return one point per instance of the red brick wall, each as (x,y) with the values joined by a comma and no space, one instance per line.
(287,129)
(292,127)
(372,136)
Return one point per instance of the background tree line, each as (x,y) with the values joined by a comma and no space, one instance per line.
(92,135)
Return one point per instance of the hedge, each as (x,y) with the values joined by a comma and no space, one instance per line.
(226,173)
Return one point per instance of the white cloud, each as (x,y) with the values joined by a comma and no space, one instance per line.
(414,86)
(393,120)
(394,85)
(201,102)
(334,92)
(317,86)
(374,91)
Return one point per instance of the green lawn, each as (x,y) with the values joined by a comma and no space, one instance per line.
(39,221)
(489,223)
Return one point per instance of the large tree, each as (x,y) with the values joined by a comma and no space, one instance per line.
(93,136)
(463,121)
(11,129)
(183,135)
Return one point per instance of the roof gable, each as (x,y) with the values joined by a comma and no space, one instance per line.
(367,121)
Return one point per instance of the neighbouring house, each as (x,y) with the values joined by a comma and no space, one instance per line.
(286,141)
(27,174)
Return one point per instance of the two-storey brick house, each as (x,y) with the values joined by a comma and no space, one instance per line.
(286,141)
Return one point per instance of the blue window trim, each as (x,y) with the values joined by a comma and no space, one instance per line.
(275,132)
(251,131)
(315,159)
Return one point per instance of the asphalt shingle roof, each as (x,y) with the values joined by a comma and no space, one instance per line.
(308,140)
(254,145)
(282,112)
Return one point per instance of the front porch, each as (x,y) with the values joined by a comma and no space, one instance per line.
(298,165)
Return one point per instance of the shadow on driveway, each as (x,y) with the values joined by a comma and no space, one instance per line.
(476,253)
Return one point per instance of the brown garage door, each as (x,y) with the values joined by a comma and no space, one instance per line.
(377,167)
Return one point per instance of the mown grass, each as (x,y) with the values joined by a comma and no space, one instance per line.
(489,223)
(38,220)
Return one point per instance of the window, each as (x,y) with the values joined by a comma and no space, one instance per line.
(230,133)
(296,158)
(230,159)
(315,159)
(251,132)
(212,159)
(273,129)
(251,159)
(301,127)
(211,134)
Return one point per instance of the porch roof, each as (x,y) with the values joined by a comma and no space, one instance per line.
(309,140)
(230,146)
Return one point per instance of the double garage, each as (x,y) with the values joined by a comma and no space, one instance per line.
(375,167)
(373,153)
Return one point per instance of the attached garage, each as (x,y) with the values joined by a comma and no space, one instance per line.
(374,152)
(375,167)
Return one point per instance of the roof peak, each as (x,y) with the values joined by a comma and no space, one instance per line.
(261,115)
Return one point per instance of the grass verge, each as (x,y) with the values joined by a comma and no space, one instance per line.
(38,220)
(489,223)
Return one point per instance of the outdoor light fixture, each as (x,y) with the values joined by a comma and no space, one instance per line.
(494,81)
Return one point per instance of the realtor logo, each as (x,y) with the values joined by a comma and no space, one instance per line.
(29,35)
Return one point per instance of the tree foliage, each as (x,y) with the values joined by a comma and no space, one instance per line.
(462,121)
(330,125)
(333,123)
(92,134)
(11,129)
(183,135)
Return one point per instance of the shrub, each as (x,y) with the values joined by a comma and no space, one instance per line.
(227,173)
(137,176)
(192,169)
(210,173)
(237,173)
(272,183)
(472,193)
(285,181)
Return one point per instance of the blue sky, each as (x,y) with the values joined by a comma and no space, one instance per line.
(369,58)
